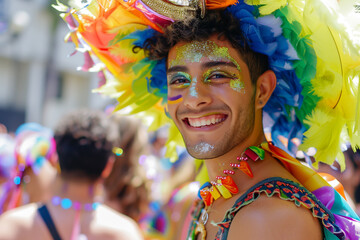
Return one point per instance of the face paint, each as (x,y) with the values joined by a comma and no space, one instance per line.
(174,100)
(195,51)
(193,91)
(203,147)
(179,79)
(237,85)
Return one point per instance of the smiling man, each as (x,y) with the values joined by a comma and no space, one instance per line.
(226,71)
(217,89)
(218,110)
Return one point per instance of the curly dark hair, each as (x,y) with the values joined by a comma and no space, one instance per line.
(84,141)
(196,29)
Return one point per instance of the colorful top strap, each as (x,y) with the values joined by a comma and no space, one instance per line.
(290,191)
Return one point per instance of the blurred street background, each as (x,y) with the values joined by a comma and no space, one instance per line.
(39,81)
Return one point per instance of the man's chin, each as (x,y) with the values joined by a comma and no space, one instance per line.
(202,150)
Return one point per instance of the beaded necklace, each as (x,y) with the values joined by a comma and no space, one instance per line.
(67,203)
(224,186)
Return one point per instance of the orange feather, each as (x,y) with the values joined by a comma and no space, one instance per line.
(216,4)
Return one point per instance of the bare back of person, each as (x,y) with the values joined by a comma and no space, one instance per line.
(102,223)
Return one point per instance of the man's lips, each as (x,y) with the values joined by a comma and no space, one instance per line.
(205,121)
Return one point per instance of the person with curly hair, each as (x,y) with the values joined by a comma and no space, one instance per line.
(84,143)
(126,187)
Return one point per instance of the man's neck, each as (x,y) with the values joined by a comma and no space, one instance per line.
(81,191)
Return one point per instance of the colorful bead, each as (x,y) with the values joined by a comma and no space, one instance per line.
(17,180)
(229,183)
(224,185)
(206,196)
(223,190)
(56,200)
(228,172)
(118,151)
(253,155)
(214,192)
(259,152)
(205,185)
(66,203)
(245,168)
(77,205)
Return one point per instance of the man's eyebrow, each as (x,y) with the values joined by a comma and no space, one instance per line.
(218,63)
(177,69)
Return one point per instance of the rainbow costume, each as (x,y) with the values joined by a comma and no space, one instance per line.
(322,194)
(310,47)
(32,146)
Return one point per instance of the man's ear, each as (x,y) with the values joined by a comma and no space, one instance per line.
(265,86)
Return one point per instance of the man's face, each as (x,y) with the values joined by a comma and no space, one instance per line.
(210,96)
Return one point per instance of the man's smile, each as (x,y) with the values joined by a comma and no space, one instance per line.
(205,121)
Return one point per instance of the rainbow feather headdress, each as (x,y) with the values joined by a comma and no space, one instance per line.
(311,49)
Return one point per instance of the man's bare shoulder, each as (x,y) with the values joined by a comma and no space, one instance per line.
(274,218)
(118,225)
(18,222)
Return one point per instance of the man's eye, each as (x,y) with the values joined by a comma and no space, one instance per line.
(179,81)
(218,75)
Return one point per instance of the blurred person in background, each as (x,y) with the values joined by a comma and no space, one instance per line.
(7,163)
(28,165)
(167,175)
(3,128)
(172,189)
(126,186)
(84,145)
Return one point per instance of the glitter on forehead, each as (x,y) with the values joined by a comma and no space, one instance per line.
(203,147)
(193,91)
(196,50)
(237,85)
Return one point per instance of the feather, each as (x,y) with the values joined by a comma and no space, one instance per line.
(267,6)
(217,4)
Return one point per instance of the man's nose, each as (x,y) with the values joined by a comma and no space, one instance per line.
(197,96)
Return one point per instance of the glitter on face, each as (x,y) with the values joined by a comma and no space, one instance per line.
(237,85)
(193,91)
(203,147)
(179,79)
(196,50)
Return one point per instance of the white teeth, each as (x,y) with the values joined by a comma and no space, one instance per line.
(203,122)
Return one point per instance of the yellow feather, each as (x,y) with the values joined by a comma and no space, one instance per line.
(324,132)
(268,6)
